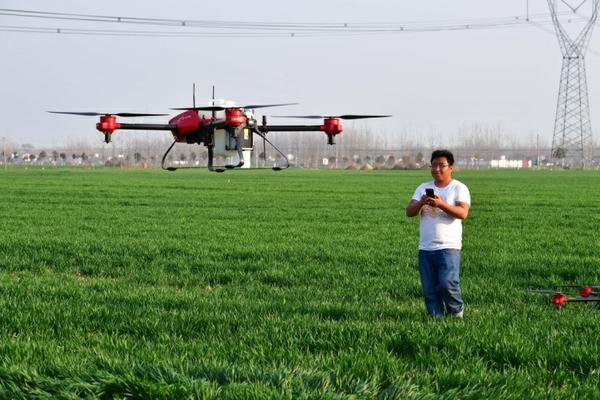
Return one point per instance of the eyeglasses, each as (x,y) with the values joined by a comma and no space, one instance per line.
(440,166)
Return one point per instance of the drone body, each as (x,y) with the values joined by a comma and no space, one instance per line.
(586,294)
(227,132)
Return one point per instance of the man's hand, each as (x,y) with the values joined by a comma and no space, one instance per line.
(432,201)
(460,210)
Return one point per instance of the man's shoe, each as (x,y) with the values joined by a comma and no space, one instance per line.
(458,315)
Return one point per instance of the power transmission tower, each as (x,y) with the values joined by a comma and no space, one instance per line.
(572,140)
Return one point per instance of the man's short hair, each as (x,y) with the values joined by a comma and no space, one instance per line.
(443,153)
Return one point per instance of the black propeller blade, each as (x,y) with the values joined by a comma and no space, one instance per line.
(346,116)
(221,108)
(251,106)
(207,108)
(95,114)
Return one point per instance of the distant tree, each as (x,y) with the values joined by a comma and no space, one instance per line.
(193,156)
(380,159)
(137,157)
(560,153)
(42,155)
(55,155)
(84,157)
(391,160)
(32,157)
(74,156)
(182,157)
(419,158)
(63,156)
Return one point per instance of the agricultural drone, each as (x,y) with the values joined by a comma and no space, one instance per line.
(586,294)
(228,131)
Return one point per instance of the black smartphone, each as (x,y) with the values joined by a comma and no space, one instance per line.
(429,192)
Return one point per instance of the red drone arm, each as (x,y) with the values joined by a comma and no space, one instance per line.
(108,124)
(331,126)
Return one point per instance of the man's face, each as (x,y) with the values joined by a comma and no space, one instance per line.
(441,171)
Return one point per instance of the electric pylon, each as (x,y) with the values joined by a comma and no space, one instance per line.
(572,140)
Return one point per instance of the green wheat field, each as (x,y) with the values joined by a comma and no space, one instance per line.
(294,284)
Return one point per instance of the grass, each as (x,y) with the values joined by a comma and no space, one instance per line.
(299,284)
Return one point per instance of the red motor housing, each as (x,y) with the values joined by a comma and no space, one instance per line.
(332,126)
(108,124)
(559,299)
(586,291)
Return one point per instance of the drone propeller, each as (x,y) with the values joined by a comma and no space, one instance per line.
(346,116)
(544,291)
(221,108)
(95,114)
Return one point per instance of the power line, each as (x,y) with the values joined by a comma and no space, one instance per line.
(278,28)
(246,24)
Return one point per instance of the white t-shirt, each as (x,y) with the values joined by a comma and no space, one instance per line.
(438,230)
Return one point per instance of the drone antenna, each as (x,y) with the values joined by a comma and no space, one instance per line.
(194,94)
(214,113)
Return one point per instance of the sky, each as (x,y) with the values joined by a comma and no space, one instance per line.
(435,84)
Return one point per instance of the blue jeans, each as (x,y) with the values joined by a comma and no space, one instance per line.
(439,270)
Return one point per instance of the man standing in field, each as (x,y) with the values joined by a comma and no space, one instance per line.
(443,203)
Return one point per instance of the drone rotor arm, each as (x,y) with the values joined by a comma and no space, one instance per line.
(580,299)
(288,128)
(149,127)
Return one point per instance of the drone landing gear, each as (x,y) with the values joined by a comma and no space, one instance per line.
(240,152)
(162,163)
(276,168)
(240,156)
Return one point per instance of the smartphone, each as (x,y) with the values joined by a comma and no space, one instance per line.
(429,192)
